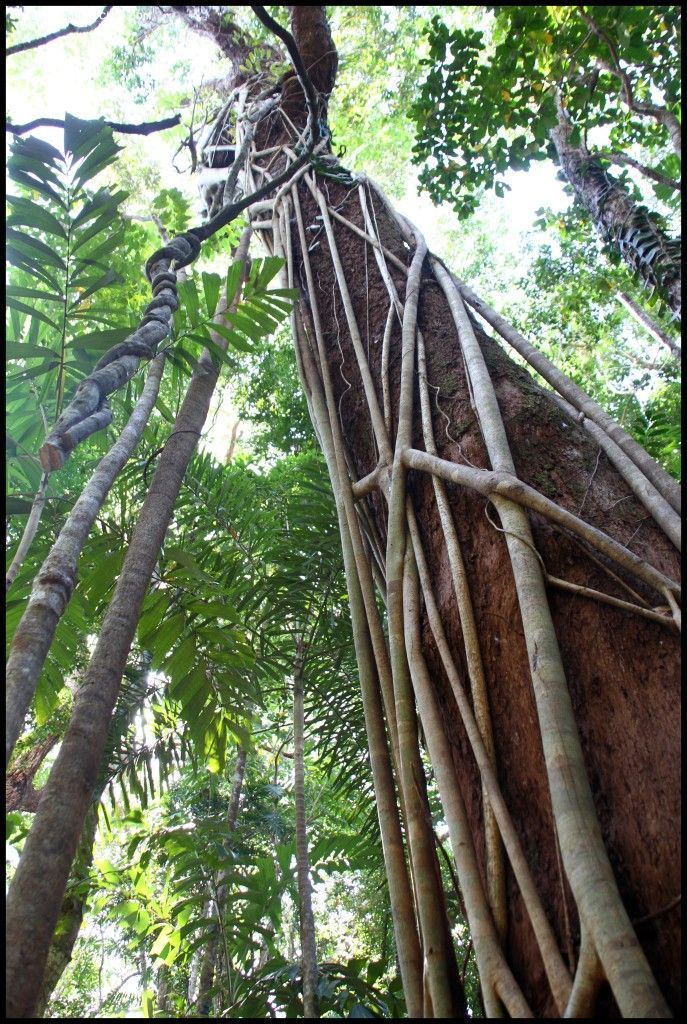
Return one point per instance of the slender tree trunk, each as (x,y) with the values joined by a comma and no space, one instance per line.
(643,318)
(36,892)
(56,578)
(307,921)
(71,912)
(643,246)
(213,954)
(28,534)
(162,984)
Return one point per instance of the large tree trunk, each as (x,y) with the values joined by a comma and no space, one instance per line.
(622,669)
(620,665)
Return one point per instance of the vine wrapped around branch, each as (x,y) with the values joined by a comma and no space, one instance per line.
(88,411)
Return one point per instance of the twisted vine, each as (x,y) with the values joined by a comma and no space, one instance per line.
(89,411)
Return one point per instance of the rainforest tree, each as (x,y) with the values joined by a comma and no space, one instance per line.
(509,555)
(586,87)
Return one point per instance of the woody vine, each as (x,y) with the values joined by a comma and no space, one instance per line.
(295,192)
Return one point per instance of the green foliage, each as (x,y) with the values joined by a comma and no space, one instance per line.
(568,304)
(487,105)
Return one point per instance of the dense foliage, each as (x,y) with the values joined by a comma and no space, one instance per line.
(251,565)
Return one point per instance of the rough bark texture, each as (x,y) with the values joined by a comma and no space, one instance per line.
(622,670)
(71,913)
(646,248)
(20,794)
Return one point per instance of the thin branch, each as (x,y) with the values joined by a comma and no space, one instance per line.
(29,532)
(627,161)
(147,128)
(659,113)
(33,43)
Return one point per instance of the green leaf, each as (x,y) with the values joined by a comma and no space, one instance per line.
(234,275)
(16,304)
(81,237)
(22,262)
(180,661)
(37,149)
(35,249)
(242,323)
(110,244)
(188,297)
(100,341)
(33,293)
(183,558)
(161,641)
(110,277)
(101,201)
(233,338)
(37,186)
(212,284)
(148,1003)
(20,350)
(17,506)
(214,349)
(24,164)
(30,214)
(263,271)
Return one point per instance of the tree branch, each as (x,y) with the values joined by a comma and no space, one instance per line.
(127,129)
(648,172)
(659,113)
(32,43)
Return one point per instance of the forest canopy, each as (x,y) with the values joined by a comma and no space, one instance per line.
(211,778)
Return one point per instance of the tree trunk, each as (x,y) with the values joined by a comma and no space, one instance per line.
(35,895)
(307,921)
(614,659)
(71,912)
(212,954)
(622,669)
(20,794)
(644,247)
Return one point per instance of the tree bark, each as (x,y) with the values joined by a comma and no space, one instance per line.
(36,892)
(20,794)
(307,921)
(71,912)
(614,692)
(642,244)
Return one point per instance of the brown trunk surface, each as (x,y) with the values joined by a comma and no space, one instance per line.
(622,669)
